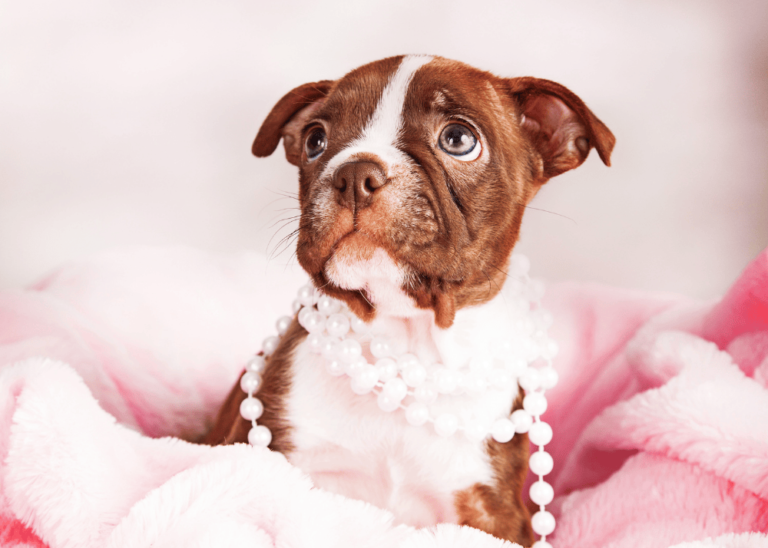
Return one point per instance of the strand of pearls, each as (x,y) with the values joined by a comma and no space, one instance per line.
(401,382)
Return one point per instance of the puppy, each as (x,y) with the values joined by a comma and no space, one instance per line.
(414,173)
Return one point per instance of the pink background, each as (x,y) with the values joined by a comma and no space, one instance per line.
(131,123)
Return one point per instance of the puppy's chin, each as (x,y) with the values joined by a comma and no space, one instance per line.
(357,264)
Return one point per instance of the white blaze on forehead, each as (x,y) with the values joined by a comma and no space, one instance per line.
(387,121)
(382,132)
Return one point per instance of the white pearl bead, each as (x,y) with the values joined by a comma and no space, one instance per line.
(303,314)
(358,325)
(335,368)
(306,295)
(329,347)
(535,403)
(314,322)
(259,436)
(543,319)
(519,265)
(529,350)
(525,326)
(387,403)
(296,306)
(550,350)
(540,433)
(515,286)
(407,360)
(250,382)
(328,305)
(425,393)
(380,348)
(541,493)
(480,366)
(517,366)
(543,523)
(519,306)
(386,368)
(414,375)
(257,364)
(417,414)
(359,388)
(251,409)
(337,325)
(283,323)
(367,376)
(365,380)
(475,430)
(522,421)
(536,290)
(461,383)
(349,350)
(549,377)
(269,345)
(502,430)
(500,379)
(541,544)
(530,380)
(446,380)
(541,463)
(446,424)
(355,367)
(315,342)
(475,384)
(395,388)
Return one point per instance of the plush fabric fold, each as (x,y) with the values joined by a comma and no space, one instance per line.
(108,365)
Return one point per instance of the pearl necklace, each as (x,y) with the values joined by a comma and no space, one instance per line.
(341,338)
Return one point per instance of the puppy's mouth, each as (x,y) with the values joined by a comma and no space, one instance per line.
(354,260)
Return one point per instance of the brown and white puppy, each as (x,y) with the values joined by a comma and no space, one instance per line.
(414,173)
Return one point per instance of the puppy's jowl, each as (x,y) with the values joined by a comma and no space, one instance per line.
(414,173)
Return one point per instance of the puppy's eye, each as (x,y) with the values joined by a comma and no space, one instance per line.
(315,144)
(458,141)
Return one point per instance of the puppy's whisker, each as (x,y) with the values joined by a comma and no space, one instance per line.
(552,213)
(286,220)
(274,234)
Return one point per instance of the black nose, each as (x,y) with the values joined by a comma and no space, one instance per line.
(356,183)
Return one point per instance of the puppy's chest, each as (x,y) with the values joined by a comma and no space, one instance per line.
(349,446)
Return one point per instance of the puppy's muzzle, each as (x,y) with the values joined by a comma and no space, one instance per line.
(357,183)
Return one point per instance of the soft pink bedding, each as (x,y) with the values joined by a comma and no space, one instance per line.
(660,416)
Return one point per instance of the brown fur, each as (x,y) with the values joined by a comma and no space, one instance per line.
(230,427)
(498,509)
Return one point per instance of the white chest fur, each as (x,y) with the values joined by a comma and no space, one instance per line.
(349,446)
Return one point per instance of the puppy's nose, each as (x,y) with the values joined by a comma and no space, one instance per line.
(356,183)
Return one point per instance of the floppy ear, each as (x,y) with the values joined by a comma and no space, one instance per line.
(559,125)
(287,118)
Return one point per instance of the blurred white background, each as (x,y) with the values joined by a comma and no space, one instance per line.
(131,123)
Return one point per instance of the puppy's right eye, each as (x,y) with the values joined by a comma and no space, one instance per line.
(315,143)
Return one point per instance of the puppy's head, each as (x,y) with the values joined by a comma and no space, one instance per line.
(414,173)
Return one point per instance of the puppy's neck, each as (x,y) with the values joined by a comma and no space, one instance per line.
(415,331)
(372,272)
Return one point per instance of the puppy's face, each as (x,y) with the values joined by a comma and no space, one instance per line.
(414,175)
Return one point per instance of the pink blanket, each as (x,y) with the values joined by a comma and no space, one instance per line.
(660,416)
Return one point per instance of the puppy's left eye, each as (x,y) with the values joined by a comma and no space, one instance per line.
(458,141)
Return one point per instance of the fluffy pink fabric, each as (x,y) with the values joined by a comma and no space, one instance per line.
(660,417)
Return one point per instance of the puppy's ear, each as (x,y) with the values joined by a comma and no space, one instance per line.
(559,125)
(287,118)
